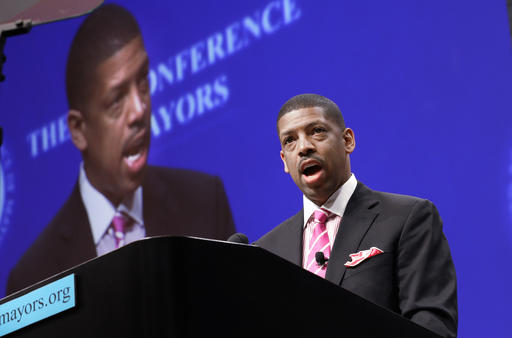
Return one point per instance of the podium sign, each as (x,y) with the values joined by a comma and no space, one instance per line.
(46,301)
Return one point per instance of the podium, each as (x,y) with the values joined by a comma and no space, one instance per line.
(190,287)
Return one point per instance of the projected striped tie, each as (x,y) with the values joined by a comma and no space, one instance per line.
(120,222)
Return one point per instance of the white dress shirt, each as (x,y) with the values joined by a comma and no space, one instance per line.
(336,205)
(101,211)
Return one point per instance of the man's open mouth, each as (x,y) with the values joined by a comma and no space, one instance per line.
(135,150)
(311,169)
(130,159)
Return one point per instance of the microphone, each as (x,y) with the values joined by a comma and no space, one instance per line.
(238,238)
(320,258)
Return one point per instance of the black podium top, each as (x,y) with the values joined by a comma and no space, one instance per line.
(189,287)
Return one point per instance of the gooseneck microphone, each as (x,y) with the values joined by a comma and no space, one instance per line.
(320,258)
(238,238)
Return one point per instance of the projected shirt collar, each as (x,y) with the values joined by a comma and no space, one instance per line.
(336,203)
(100,210)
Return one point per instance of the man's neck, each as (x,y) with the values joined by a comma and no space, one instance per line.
(100,209)
(336,203)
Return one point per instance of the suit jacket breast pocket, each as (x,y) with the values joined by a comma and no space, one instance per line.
(373,279)
(381,261)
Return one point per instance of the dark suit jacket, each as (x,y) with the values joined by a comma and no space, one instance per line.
(414,276)
(175,202)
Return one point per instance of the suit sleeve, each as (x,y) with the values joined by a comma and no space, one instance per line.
(426,274)
(224,220)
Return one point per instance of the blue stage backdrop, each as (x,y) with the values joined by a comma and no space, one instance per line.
(425,85)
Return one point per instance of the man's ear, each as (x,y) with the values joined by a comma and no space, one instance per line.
(285,166)
(350,141)
(76,125)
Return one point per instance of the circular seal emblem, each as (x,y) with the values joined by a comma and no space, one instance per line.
(7,186)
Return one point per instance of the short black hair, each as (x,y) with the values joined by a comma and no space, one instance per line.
(330,108)
(105,31)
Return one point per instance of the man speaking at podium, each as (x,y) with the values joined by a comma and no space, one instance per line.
(118,198)
(384,247)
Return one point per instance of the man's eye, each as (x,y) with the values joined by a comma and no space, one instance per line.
(288,140)
(116,101)
(144,85)
(114,105)
(318,130)
(114,98)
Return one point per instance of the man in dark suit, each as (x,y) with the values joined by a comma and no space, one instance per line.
(387,248)
(118,198)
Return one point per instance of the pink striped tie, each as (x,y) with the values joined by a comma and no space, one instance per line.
(319,243)
(120,222)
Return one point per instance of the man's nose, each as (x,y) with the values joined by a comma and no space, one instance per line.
(137,106)
(306,147)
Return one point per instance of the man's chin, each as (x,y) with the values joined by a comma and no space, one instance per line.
(312,186)
(125,190)
(134,179)
(317,193)
(131,180)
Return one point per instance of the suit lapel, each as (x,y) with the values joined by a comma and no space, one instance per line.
(357,219)
(158,205)
(293,235)
(75,233)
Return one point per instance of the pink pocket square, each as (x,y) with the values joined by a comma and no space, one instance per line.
(357,258)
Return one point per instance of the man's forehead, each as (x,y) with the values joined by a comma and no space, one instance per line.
(300,118)
(128,60)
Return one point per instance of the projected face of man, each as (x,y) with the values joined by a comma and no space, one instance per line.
(113,135)
(315,152)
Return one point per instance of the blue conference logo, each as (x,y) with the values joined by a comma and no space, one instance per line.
(7,186)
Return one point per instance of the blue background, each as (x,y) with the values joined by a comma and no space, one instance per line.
(424,85)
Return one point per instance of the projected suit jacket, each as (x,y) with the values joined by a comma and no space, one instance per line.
(175,202)
(414,276)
